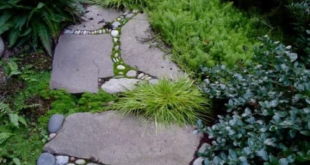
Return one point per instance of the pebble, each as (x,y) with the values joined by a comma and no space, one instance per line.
(148,78)
(121,67)
(70,164)
(72,159)
(55,123)
(153,81)
(116,55)
(135,11)
(129,15)
(51,136)
(140,75)
(116,24)
(114,33)
(67,31)
(46,159)
(80,161)
(120,73)
(116,47)
(198,161)
(62,160)
(115,39)
(118,19)
(131,73)
(85,32)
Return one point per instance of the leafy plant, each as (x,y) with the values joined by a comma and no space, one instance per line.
(165,102)
(128,4)
(29,21)
(268,110)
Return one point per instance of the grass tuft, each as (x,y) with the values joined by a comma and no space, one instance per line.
(165,102)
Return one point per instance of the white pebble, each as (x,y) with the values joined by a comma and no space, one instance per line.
(62,160)
(131,73)
(140,75)
(114,33)
(116,55)
(120,67)
(115,39)
(80,161)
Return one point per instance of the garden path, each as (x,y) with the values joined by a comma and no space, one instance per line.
(109,44)
(112,50)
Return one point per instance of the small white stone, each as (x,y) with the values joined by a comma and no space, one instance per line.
(100,31)
(131,73)
(70,164)
(116,24)
(118,19)
(135,11)
(130,15)
(51,136)
(115,39)
(85,32)
(198,161)
(153,81)
(120,73)
(80,161)
(148,78)
(116,55)
(114,33)
(62,160)
(121,67)
(140,75)
(114,60)
(116,47)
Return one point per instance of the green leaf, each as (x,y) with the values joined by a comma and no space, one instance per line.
(14,119)
(292,56)
(4,136)
(305,132)
(263,154)
(274,103)
(283,161)
(22,120)
(13,36)
(45,38)
(16,161)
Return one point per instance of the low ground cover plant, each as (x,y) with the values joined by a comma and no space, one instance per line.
(267,112)
(165,102)
(32,21)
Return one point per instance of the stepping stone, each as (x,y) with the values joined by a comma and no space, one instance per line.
(96,17)
(140,55)
(80,60)
(114,139)
(119,85)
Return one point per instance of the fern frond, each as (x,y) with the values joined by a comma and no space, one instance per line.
(5,108)
(45,38)
(4,136)
(13,36)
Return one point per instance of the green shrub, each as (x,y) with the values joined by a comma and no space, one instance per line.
(268,110)
(128,4)
(165,102)
(30,20)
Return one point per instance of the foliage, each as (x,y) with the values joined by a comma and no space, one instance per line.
(268,111)
(24,21)
(205,32)
(301,24)
(165,102)
(128,4)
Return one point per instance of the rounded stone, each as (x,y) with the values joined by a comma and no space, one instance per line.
(52,135)
(72,159)
(70,164)
(140,75)
(62,160)
(153,81)
(198,161)
(130,15)
(115,39)
(147,78)
(55,123)
(114,33)
(116,47)
(120,73)
(131,73)
(116,24)
(121,67)
(46,159)
(116,55)
(1,47)
(80,161)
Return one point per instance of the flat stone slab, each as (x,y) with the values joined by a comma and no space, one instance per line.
(119,85)
(95,18)
(116,140)
(140,55)
(80,60)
